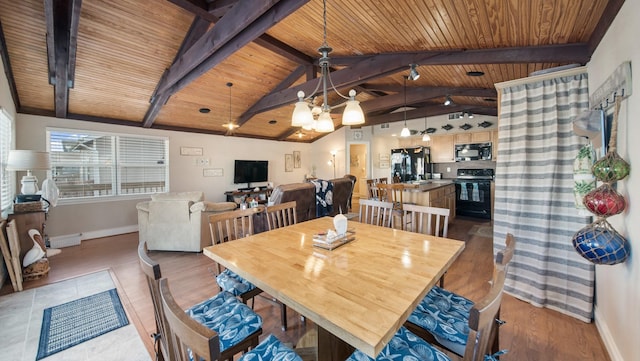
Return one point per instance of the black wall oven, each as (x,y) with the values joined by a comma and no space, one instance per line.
(473,192)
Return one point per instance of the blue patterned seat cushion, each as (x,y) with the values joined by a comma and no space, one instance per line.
(446,316)
(230,318)
(234,284)
(404,346)
(271,349)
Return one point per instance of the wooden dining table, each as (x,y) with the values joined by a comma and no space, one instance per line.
(358,294)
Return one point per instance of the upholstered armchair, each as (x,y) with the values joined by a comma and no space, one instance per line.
(177,221)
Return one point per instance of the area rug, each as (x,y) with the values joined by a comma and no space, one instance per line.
(481,231)
(74,322)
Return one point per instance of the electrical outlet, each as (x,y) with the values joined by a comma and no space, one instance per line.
(448,169)
(202,162)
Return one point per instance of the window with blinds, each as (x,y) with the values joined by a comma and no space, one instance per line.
(90,164)
(6,183)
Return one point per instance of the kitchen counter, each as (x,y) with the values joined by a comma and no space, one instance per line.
(426,185)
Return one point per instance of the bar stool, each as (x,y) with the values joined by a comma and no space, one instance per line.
(393,193)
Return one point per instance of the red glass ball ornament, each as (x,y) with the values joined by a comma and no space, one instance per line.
(604,201)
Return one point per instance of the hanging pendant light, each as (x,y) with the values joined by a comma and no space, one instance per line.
(230,125)
(302,114)
(405,131)
(425,136)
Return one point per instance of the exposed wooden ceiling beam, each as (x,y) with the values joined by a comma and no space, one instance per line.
(236,29)
(610,12)
(62,18)
(377,66)
(225,30)
(419,94)
(429,111)
(8,70)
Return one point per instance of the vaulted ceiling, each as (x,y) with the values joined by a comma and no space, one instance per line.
(157,63)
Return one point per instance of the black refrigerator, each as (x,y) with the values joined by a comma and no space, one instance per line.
(411,164)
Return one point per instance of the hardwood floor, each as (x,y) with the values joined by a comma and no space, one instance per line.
(530,333)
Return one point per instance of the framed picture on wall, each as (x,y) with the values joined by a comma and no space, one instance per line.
(297,161)
(288,162)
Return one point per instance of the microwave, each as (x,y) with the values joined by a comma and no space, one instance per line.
(476,151)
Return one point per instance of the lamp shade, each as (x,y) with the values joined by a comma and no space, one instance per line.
(353,114)
(28,160)
(325,123)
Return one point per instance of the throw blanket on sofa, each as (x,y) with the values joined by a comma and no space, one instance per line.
(324,197)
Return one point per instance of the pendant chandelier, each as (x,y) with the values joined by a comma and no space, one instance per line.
(307,115)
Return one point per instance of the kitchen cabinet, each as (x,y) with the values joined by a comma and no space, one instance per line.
(440,197)
(480,137)
(494,145)
(442,148)
(462,138)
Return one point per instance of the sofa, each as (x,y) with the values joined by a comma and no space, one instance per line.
(305,196)
(178,221)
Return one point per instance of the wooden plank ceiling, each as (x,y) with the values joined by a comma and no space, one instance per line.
(156,63)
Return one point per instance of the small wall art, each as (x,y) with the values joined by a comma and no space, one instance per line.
(297,161)
(288,162)
(190,151)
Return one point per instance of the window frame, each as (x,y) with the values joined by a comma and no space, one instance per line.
(115,167)
(7,141)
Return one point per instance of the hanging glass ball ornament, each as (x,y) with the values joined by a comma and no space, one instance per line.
(604,201)
(599,243)
(611,168)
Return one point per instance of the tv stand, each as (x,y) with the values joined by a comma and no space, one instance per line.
(262,194)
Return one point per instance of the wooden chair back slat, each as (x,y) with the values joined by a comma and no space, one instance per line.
(427,220)
(281,215)
(376,212)
(185,333)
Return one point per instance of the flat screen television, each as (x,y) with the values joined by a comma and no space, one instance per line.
(250,171)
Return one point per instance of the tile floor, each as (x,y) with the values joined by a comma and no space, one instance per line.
(21,319)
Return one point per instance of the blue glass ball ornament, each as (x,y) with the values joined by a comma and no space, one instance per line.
(600,243)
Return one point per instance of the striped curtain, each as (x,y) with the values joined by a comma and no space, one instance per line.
(534,193)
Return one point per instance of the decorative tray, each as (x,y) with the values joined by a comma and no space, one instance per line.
(320,240)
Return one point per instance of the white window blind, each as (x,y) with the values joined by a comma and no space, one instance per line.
(91,164)
(6,183)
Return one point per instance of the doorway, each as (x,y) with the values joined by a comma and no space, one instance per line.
(358,161)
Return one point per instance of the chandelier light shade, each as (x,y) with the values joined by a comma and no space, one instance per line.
(28,160)
(302,113)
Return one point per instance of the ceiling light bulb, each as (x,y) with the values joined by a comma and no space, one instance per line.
(405,131)
(353,114)
(325,123)
(447,101)
(470,116)
(301,113)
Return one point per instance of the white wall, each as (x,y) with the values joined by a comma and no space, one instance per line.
(102,218)
(618,287)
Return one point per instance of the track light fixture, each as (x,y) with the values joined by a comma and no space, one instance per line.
(413,73)
(448,101)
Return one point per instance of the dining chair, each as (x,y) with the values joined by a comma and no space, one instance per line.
(193,341)
(427,220)
(281,215)
(238,325)
(449,320)
(376,212)
(229,226)
(372,189)
(278,216)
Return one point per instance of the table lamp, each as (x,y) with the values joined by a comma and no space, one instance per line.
(21,160)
